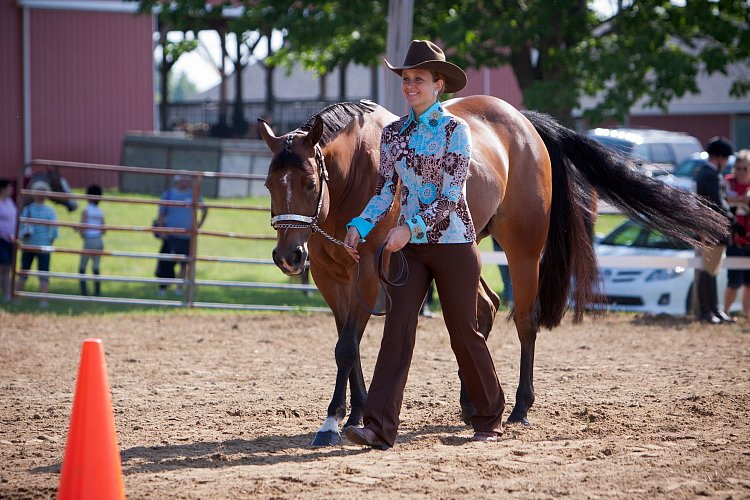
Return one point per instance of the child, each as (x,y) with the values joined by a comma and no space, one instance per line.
(37,235)
(92,238)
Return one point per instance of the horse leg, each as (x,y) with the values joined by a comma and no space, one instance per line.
(350,323)
(347,368)
(358,391)
(488,303)
(526,317)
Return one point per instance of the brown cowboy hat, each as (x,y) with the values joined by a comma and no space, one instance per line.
(423,54)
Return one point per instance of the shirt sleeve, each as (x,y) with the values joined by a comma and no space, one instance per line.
(52,229)
(455,171)
(385,192)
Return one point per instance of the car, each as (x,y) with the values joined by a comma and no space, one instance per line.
(662,149)
(655,290)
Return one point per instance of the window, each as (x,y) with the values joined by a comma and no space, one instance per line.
(661,153)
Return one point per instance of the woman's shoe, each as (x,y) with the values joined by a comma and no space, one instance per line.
(365,437)
(484,437)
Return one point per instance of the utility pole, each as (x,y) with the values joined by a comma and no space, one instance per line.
(400,17)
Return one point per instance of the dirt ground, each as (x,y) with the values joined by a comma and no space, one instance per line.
(226,405)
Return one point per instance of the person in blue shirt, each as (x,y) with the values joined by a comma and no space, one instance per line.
(38,235)
(178,217)
(92,239)
(427,154)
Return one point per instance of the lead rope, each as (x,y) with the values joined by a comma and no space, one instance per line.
(400,280)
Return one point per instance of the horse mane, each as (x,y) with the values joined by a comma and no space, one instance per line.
(335,118)
(338,116)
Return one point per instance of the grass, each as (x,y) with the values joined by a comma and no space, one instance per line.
(238,221)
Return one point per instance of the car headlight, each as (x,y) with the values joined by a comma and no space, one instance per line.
(666,274)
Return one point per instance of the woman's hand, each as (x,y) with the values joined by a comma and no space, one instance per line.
(397,238)
(352,240)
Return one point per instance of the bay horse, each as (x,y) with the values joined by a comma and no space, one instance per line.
(532,185)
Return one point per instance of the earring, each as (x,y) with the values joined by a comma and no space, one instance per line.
(436,92)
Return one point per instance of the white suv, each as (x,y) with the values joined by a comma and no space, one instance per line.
(661,148)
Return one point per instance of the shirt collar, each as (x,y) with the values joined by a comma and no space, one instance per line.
(430,118)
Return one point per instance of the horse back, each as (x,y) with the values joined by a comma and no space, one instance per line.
(509,177)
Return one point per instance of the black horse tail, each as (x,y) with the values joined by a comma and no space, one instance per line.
(581,169)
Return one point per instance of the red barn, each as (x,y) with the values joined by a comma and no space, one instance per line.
(77,75)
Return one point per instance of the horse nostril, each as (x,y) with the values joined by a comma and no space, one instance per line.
(275,257)
(298,256)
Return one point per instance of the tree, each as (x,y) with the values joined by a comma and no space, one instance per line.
(186,16)
(326,35)
(560,51)
(181,87)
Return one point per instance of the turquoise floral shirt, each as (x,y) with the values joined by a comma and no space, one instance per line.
(430,157)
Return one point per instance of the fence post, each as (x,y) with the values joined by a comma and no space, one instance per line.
(189,280)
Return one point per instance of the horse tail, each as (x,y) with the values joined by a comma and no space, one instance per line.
(582,168)
(568,251)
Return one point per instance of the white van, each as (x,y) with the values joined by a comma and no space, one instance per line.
(663,149)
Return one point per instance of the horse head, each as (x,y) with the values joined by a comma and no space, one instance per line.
(58,184)
(296,178)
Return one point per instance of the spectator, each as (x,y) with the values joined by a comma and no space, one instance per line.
(738,191)
(40,235)
(92,239)
(710,185)
(8,216)
(180,217)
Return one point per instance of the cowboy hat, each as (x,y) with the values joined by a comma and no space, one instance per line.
(423,54)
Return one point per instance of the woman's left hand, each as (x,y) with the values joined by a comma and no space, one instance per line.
(397,238)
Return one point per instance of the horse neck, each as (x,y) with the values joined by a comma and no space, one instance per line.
(350,174)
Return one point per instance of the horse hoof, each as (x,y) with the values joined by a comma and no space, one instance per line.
(327,438)
(519,420)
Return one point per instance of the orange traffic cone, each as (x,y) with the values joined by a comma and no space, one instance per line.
(91,467)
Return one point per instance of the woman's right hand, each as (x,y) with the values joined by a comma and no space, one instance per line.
(352,240)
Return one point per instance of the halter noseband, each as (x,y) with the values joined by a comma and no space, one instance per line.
(303,221)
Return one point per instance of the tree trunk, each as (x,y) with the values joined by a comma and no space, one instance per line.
(374,83)
(342,82)
(222,124)
(270,96)
(239,124)
(164,68)
(323,87)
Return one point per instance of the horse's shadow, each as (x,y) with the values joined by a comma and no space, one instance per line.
(265,450)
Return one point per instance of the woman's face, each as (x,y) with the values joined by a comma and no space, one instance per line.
(418,88)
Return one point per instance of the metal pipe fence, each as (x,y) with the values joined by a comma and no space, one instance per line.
(189,284)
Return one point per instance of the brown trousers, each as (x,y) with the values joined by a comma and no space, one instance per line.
(455,269)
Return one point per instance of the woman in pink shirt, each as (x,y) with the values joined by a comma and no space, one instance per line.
(8,218)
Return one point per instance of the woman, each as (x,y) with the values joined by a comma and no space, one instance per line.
(738,191)
(427,153)
(8,216)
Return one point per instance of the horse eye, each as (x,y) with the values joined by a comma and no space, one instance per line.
(311,186)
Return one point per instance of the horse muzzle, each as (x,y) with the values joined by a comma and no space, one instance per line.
(292,262)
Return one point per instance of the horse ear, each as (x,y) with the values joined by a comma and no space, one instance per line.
(316,132)
(273,142)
